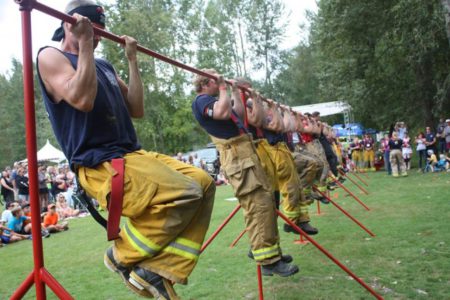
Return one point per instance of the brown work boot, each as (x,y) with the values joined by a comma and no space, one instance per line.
(124,272)
(160,287)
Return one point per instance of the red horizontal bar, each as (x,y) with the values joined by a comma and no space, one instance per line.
(113,37)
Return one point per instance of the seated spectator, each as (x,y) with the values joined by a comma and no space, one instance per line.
(442,163)
(16,224)
(221,179)
(63,209)
(7,215)
(51,219)
(8,236)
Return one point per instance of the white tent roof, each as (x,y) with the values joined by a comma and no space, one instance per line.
(50,153)
(325,109)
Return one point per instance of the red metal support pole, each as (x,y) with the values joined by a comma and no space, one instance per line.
(260,282)
(225,222)
(236,240)
(362,180)
(354,182)
(30,137)
(318,208)
(344,212)
(328,254)
(350,193)
(35,276)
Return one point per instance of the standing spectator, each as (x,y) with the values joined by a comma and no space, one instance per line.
(440,136)
(7,188)
(447,134)
(43,190)
(22,186)
(430,138)
(369,153)
(356,153)
(396,158)
(406,150)
(421,150)
(384,148)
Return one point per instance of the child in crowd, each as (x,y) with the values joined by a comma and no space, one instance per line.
(432,159)
(406,150)
(16,224)
(443,164)
(8,236)
(51,219)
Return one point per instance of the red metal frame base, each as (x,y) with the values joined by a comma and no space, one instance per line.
(301,241)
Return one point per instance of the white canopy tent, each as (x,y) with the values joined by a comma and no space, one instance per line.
(325,109)
(50,153)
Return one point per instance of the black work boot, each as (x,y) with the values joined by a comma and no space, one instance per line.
(303,226)
(284,257)
(279,268)
(124,272)
(320,198)
(158,286)
(306,227)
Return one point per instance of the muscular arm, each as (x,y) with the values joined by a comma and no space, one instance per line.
(222,107)
(134,92)
(77,87)
(238,105)
(255,115)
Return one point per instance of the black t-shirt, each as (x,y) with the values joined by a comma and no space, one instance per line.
(223,129)
(395,144)
(273,137)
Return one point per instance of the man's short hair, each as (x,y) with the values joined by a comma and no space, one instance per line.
(243,81)
(201,80)
(316,114)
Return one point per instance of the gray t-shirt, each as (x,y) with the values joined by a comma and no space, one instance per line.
(447,134)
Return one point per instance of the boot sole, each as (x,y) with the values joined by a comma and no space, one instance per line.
(137,289)
(136,280)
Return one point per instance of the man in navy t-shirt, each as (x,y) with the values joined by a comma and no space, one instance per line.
(167,203)
(222,119)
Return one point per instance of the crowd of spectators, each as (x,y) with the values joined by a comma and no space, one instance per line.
(432,148)
(56,185)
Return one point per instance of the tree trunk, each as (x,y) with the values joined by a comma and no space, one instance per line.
(446,6)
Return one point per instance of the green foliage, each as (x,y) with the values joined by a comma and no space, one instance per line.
(388,59)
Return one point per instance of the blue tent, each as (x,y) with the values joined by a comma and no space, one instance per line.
(351,129)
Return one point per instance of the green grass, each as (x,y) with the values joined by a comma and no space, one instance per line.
(408,259)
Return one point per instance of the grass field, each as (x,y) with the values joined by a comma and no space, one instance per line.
(408,259)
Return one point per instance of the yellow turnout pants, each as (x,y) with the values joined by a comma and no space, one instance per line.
(253,189)
(168,205)
(293,201)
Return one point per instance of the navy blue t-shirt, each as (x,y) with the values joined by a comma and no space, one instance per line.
(222,129)
(104,133)
(273,137)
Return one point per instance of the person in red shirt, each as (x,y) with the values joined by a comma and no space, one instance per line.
(51,220)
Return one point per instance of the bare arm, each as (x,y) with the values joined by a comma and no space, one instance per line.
(255,115)
(222,107)
(77,87)
(134,92)
(238,105)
